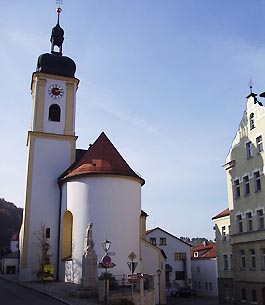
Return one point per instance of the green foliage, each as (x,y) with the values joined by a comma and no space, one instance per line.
(10,223)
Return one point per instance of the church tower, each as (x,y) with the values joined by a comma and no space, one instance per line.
(51,149)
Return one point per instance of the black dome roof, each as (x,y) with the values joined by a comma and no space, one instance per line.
(56,64)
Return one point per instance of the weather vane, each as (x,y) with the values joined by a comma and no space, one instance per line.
(250,84)
(59,10)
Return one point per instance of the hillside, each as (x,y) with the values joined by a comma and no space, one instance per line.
(10,222)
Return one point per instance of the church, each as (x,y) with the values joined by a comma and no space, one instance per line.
(68,189)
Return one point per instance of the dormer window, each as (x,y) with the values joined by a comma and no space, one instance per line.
(54,113)
(251,121)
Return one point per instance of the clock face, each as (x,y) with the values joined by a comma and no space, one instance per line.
(55,91)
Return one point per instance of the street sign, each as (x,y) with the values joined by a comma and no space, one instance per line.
(132,266)
(100,265)
(132,278)
(106,261)
(132,256)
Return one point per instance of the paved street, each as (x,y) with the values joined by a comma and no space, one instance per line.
(14,294)
(192,301)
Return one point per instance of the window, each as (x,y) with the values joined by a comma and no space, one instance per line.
(195,285)
(236,188)
(249,221)
(180,256)
(259,144)
(54,113)
(263,258)
(243,259)
(163,241)
(227,292)
(260,216)
(231,261)
(243,295)
(257,181)
(198,269)
(253,296)
(239,224)
(251,121)
(246,185)
(48,233)
(179,275)
(210,286)
(249,147)
(252,259)
(153,240)
(199,285)
(225,261)
(206,286)
(223,233)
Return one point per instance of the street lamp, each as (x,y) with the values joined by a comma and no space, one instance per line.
(158,272)
(106,245)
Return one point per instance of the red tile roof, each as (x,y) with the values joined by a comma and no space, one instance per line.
(207,250)
(101,158)
(224,213)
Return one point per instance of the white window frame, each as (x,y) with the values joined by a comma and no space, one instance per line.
(249,221)
(246,185)
(260,216)
(250,149)
(259,143)
(257,181)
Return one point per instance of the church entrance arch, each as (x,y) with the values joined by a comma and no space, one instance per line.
(67,235)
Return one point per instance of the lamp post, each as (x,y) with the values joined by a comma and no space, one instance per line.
(158,272)
(106,246)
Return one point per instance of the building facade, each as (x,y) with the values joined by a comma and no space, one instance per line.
(246,185)
(204,269)
(224,255)
(178,261)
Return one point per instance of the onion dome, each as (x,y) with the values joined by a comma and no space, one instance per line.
(55,63)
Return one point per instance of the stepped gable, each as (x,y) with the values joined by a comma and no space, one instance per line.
(101,158)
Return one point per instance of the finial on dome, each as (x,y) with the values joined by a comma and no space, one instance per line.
(57,36)
(250,85)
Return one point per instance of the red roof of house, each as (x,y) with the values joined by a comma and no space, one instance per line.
(101,158)
(224,213)
(207,250)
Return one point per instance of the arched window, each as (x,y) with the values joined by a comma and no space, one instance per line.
(54,113)
(251,121)
(67,236)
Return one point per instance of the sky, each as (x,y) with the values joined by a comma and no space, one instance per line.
(166,80)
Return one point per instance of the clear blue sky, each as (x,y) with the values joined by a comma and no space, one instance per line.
(166,80)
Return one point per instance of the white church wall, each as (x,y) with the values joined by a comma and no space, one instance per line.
(113,205)
(45,195)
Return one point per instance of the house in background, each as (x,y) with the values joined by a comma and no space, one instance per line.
(14,243)
(204,269)
(224,256)
(178,262)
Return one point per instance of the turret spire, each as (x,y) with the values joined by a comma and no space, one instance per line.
(57,36)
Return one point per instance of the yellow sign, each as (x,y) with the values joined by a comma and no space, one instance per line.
(48,273)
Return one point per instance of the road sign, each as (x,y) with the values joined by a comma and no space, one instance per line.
(132,266)
(106,261)
(132,256)
(100,265)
